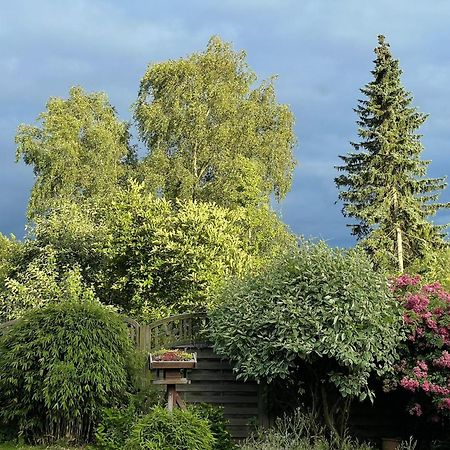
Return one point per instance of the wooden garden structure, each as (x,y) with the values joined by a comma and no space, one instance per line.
(213,380)
(172,377)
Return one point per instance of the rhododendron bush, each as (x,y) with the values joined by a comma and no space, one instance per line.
(424,369)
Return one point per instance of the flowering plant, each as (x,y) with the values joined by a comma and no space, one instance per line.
(172,355)
(424,369)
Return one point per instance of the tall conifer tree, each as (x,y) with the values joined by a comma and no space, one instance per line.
(383,183)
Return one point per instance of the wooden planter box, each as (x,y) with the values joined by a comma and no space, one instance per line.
(190,364)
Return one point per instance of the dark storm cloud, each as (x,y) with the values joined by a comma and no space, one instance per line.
(321,50)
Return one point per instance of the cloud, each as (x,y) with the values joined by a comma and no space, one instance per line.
(322,52)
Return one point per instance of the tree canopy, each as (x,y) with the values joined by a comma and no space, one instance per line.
(149,256)
(383,185)
(210,135)
(80,149)
(320,315)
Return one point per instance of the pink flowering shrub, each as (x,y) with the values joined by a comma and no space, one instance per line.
(424,369)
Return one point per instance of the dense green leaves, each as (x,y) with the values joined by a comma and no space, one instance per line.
(171,257)
(319,310)
(161,429)
(149,256)
(210,136)
(60,365)
(383,184)
(79,150)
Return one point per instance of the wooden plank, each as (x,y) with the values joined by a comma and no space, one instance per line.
(218,387)
(218,399)
(235,410)
(207,353)
(210,375)
(241,421)
(239,431)
(203,364)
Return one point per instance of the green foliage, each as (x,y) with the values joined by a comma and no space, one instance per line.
(383,185)
(36,286)
(79,150)
(9,248)
(433,266)
(171,257)
(114,427)
(149,256)
(320,311)
(164,430)
(211,137)
(218,425)
(61,364)
(299,431)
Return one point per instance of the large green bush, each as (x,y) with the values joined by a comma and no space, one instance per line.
(60,365)
(321,316)
(161,429)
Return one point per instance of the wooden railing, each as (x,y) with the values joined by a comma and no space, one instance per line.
(175,331)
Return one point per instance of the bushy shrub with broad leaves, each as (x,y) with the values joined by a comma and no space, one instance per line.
(161,429)
(320,312)
(217,423)
(60,365)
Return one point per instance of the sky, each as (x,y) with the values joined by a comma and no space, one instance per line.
(321,51)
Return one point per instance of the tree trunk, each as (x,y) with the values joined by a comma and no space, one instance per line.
(399,249)
(399,237)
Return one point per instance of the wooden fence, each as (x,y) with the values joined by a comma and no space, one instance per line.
(213,381)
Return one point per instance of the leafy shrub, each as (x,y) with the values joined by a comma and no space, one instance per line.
(61,364)
(217,423)
(148,256)
(115,427)
(164,430)
(424,369)
(320,311)
(115,424)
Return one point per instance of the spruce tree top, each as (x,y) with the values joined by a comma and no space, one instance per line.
(383,184)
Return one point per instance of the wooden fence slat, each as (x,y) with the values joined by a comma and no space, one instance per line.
(218,387)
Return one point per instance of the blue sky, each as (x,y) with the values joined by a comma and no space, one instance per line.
(321,50)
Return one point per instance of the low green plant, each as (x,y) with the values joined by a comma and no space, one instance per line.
(161,429)
(115,427)
(217,423)
(61,365)
(299,431)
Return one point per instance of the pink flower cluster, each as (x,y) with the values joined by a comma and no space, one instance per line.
(434,388)
(424,369)
(409,384)
(432,288)
(405,281)
(417,302)
(443,361)
(421,370)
